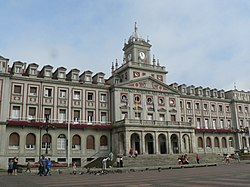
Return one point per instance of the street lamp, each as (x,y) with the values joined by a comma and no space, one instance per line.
(47,131)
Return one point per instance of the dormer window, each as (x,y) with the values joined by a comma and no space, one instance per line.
(47,73)
(18,69)
(101,80)
(75,76)
(33,71)
(61,75)
(88,78)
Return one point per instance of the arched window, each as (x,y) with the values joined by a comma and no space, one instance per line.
(90,142)
(208,142)
(224,142)
(216,142)
(61,142)
(200,142)
(46,141)
(30,141)
(76,142)
(103,140)
(14,141)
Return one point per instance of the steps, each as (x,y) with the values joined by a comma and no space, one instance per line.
(162,160)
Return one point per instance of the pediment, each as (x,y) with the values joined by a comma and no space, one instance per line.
(173,111)
(124,107)
(162,110)
(149,83)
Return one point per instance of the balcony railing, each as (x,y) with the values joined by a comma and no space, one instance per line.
(153,123)
(24,121)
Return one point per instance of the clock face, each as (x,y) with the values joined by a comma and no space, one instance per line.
(136,74)
(142,55)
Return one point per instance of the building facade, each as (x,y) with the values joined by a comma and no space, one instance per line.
(73,117)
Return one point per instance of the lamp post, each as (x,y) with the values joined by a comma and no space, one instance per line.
(47,132)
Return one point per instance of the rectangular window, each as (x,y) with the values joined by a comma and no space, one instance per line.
(76,116)
(17,89)
(90,96)
(33,90)
(213,107)
(137,115)
(173,117)
(103,117)
(197,106)
(188,105)
(76,95)
(18,69)
(103,97)
(220,108)
(198,122)
(16,112)
(206,123)
(88,78)
(47,111)
(205,106)
(214,123)
(62,116)
(240,109)
(47,73)
(32,113)
(181,104)
(150,116)
(48,92)
(246,109)
(62,94)
(90,116)
(162,117)
(221,123)
(227,108)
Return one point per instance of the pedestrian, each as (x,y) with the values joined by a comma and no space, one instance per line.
(131,152)
(48,166)
(74,168)
(28,167)
(10,167)
(118,161)
(227,159)
(104,163)
(121,162)
(237,157)
(136,153)
(15,162)
(198,158)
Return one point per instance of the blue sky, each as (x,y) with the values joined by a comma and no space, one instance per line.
(201,42)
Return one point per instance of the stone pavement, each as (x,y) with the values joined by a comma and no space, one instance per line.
(220,175)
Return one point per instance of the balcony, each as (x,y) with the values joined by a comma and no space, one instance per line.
(153,123)
(57,123)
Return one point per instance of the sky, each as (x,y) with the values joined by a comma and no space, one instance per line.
(200,42)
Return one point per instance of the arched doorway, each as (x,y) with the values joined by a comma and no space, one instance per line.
(162,144)
(174,143)
(186,143)
(135,142)
(149,144)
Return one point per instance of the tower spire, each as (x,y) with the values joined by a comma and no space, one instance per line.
(136,27)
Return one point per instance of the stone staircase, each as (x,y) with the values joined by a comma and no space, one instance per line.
(163,160)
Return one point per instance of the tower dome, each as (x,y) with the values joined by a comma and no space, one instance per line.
(135,36)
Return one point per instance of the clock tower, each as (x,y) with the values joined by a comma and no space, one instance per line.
(137,49)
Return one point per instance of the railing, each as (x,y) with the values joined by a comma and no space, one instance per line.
(28,119)
(152,123)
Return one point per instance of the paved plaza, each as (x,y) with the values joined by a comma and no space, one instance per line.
(221,175)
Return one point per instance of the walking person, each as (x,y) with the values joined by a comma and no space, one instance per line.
(28,167)
(48,167)
(118,161)
(121,162)
(198,158)
(15,162)
(74,168)
(10,167)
